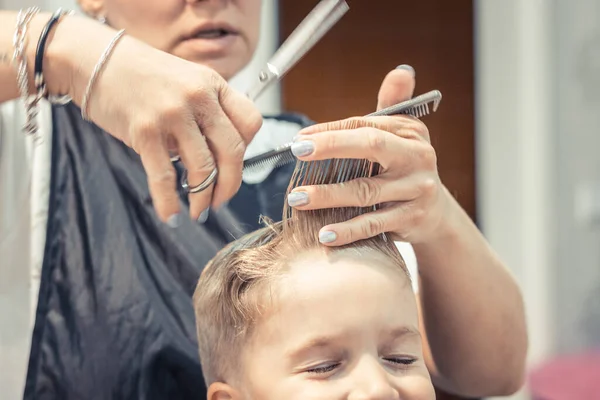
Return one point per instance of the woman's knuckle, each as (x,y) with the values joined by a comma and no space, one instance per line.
(172,113)
(350,236)
(372,227)
(207,86)
(428,156)
(419,215)
(202,159)
(322,194)
(377,141)
(230,184)
(205,164)
(215,80)
(164,179)
(237,150)
(331,141)
(143,124)
(422,129)
(395,125)
(367,192)
(143,133)
(403,235)
(428,186)
(250,125)
(201,102)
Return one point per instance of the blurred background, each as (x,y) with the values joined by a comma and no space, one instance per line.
(517,134)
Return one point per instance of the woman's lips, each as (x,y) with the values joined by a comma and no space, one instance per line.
(211,42)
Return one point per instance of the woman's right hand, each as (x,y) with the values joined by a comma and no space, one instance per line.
(157,103)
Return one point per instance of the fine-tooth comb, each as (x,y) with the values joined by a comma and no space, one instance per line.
(316,24)
(417,107)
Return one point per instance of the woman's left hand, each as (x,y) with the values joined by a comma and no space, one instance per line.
(412,198)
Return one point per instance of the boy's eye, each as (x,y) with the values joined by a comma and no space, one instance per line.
(400,361)
(323,368)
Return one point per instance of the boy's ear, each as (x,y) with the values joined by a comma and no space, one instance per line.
(222,391)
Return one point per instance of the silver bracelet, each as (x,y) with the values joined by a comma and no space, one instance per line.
(38,76)
(20,58)
(101,62)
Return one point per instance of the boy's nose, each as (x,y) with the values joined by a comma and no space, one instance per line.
(372,382)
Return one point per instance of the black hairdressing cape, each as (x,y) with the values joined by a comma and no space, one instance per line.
(114,318)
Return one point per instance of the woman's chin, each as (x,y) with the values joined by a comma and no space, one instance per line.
(226,66)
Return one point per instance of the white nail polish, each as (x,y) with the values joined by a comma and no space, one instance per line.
(303,148)
(204,216)
(174,221)
(327,237)
(297,199)
(408,68)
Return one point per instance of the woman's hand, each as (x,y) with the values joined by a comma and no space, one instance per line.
(159,104)
(412,198)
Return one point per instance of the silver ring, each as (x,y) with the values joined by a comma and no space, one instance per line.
(202,186)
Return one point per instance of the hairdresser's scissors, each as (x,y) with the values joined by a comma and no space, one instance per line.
(316,24)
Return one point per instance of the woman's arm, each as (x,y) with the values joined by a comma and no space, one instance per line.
(56,71)
(472,311)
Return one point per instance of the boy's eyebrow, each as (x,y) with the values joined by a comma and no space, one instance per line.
(404,331)
(325,340)
(304,350)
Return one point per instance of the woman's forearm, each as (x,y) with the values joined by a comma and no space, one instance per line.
(473,311)
(8,72)
(73,47)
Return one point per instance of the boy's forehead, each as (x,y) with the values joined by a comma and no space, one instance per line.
(317,293)
(313,268)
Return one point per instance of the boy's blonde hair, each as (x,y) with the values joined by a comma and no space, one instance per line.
(230,293)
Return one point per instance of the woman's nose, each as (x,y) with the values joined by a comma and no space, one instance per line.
(372,382)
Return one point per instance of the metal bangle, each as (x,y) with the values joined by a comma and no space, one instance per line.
(40,84)
(101,62)
(20,58)
(202,186)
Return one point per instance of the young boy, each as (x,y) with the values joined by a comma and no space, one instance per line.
(281,317)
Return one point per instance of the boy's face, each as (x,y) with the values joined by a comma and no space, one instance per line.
(345,328)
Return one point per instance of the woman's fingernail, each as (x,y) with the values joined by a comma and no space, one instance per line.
(297,199)
(327,237)
(204,216)
(303,148)
(408,68)
(174,220)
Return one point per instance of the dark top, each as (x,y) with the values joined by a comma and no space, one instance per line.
(114,318)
